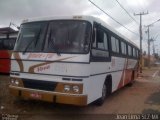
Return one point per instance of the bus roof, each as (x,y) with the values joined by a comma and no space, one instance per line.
(81,17)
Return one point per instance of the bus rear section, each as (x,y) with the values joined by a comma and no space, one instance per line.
(4,61)
(6,47)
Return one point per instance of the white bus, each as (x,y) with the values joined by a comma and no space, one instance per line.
(71,60)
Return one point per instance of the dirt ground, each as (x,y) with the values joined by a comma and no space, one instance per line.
(143,98)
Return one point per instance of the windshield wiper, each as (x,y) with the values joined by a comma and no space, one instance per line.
(33,41)
(53,44)
(56,50)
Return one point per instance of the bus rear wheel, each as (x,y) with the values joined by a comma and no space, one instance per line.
(132,80)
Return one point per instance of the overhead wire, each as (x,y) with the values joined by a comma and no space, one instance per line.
(113,18)
(129,7)
(126,11)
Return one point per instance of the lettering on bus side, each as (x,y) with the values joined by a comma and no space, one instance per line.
(42,68)
(40,55)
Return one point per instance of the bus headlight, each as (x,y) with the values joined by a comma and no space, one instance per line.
(16,82)
(12,81)
(76,88)
(71,88)
(67,88)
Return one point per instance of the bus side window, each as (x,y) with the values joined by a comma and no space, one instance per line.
(101,40)
(9,44)
(134,53)
(106,41)
(123,48)
(100,45)
(1,44)
(94,42)
(5,44)
(129,50)
(115,44)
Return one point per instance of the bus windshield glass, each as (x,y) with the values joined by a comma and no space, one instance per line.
(62,36)
(31,37)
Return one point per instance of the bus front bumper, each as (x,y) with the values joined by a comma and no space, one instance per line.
(72,99)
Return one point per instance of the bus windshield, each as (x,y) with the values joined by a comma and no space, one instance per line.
(31,37)
(62,36)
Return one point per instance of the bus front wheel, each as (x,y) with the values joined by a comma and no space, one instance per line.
(101,100)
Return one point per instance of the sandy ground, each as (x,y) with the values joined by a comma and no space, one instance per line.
(142,98)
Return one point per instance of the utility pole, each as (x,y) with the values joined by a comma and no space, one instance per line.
(149,41)
(154,52)
(140,31)
(152,40)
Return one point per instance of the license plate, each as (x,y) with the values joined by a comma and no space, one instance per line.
(36,95)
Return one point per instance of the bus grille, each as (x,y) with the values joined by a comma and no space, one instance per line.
(40,85)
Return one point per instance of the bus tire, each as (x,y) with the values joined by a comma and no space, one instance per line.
(132,80)
(101,100)
(106,91)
